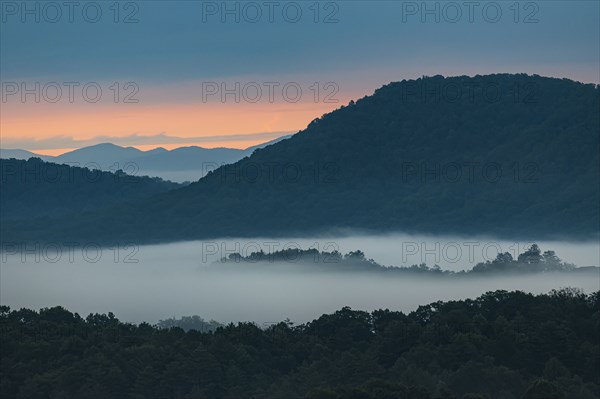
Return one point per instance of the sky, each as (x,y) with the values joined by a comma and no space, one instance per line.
(173,73)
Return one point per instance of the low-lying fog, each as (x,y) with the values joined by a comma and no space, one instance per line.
(173,280)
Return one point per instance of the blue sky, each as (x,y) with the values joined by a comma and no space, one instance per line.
(364,45)
(183,39)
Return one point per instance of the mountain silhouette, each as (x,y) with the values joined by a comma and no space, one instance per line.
(180,164)
(21,154)
(504,155)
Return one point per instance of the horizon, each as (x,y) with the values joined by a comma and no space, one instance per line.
(239,141)
(150,147)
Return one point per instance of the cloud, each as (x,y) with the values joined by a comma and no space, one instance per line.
(60,142)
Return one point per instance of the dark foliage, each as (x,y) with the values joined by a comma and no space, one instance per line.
(509,155)
(531,261)
(35,188)
(501,345)
(187,323)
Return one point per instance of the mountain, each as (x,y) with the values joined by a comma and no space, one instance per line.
(180,164)
(102,156)
(20,154)
(192,163)
(511,156)
(34,188)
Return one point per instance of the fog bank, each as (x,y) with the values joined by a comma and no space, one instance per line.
(156,282)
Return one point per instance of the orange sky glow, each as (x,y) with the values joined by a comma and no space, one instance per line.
(46,123)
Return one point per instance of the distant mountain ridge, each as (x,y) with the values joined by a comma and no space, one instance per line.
(522,163)
(180,164)
(21,154)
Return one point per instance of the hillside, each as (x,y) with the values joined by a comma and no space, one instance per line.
(509,155)
(499,345)
(35,188)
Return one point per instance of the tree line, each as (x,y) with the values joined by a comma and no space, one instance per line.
(501,345)
(532,260)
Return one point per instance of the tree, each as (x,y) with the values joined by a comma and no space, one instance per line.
(553,262)
(531,256)
(504,258)
(554,369)
(543,389)
(355,255)
(444,350)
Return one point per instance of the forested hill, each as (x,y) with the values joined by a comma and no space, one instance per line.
(508,155)
(502,345)
(35,188)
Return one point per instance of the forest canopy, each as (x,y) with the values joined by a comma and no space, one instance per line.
(501,345)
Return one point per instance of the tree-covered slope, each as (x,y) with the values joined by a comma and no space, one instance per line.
(35,188)
(509,155)
(502,345)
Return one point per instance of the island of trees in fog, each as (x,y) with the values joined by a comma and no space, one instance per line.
(533,260)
